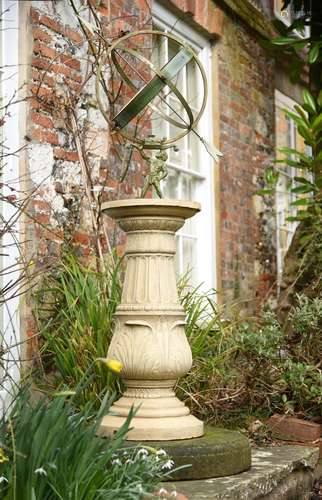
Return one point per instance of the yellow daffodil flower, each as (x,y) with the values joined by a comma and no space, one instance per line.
(112,364)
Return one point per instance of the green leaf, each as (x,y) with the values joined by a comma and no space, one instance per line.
(300,46)
(309,100)
(290,151)
(302,113)
(317,121)
(320,98)
(303,180)
(284,40)
(318,182)
(263,192)
(303,214)
(291,218)
(291,163)
(303,131)
(303,189)
(296,118)
(314,53)
(302,201)
(271,176)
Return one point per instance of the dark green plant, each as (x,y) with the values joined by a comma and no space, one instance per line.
(49,452)
(244,369)
(75,308)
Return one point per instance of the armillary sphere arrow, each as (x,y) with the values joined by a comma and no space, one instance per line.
(143,98)
(151,90)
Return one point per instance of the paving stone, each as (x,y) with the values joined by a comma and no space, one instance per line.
(281,472)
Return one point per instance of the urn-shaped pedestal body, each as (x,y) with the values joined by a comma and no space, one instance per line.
(149,337)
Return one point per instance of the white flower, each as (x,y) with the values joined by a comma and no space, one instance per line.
(174,494)
(142,452)
(168,465)
(129,461)
(40,471)
(161,453)
(3,479)
(162,491)
(117,461)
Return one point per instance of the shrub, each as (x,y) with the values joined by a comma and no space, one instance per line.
(75,307)
(254,367)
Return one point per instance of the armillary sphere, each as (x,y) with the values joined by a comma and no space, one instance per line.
(152,91)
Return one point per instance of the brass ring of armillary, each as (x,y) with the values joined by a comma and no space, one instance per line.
(112,54)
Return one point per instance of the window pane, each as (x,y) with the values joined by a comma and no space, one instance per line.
(171,184)
(188,187)
(193,94)
(189,257)
(194,151)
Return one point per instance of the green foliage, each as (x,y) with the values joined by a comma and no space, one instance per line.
(308,119)
(253,367)
(49,452)
(75,317)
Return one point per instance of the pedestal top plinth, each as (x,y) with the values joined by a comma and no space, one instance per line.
(146,207)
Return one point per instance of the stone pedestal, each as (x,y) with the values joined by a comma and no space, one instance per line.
(149,337)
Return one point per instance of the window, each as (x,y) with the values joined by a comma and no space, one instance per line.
(288,16)
(286,136)
(9,311)
(189,168)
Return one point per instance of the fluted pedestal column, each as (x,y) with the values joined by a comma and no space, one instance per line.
(149,337)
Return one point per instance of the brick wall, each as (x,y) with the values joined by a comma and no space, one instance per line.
(246,104)
(60,208)
(61,200)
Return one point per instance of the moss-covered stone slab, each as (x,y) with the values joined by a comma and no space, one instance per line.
(281,472)
(220,452)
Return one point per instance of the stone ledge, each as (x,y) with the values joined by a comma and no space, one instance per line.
(284,472)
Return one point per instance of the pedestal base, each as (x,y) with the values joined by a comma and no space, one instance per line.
(159,416)
(152,429)
(219,453)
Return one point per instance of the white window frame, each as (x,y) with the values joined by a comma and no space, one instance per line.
(205,193)
(10,318)
(282,101)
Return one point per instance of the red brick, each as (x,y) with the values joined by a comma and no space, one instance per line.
(40,63)
(52,24)
(41,48)
(35,103)
(70,61)
(42,120)
(76,77)
(41,205)
(43,77)
(42,218)
(81,238)
(41,35)
(40,90)
(59,68)
(73,35)
(73,85)
(62,154)
(44,136)
(294,429)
